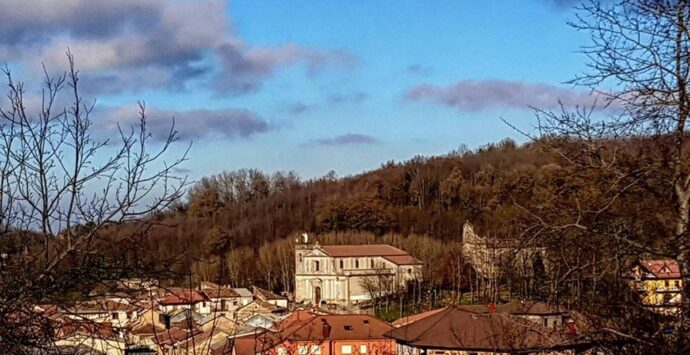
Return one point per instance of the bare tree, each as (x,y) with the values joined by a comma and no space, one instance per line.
(62,190)
(640,49)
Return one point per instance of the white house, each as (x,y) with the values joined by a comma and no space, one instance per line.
(117,313)
(270,297)
(186,299)
(224,300)
(246,296)
(340,274)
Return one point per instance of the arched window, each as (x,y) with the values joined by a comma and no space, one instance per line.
(342,264)
(316,265)
(356,263)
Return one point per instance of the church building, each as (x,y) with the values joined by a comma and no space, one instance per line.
(348,274)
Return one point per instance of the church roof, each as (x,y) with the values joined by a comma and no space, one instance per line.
(363,250)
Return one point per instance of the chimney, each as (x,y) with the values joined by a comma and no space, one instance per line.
(571,330)
(326,329)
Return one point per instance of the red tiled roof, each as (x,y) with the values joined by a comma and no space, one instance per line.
(184,297)
(309,327)
(69,328)
(662,269)
(460,329)
(102,306)
(413,318)
(267,295)
(223,292)
(403,259)
(363,250)
(342,327)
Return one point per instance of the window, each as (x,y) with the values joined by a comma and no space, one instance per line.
(114,315)
(409,271)
(316,350)
(372,263)
(346,349)
(356,263)
(203,304)
(302,350)
(342,264)
(348,328)
(300,257)
(362,349)
(316,265)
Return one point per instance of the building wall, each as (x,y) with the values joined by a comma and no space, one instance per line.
(200,307)
(228,307)
(337,347)
(340,279)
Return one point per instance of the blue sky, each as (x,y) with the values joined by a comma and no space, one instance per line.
(309,86)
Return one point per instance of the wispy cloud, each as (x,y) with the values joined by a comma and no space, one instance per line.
(344,139)
(298,108)
(353,98)
(191,124)
(475,95)
(419,69)
(133,44)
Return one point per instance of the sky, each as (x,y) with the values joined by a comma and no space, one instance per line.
(307,86)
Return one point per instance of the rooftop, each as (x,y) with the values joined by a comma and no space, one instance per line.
(662,269)
(183,297)
(267,295)
(363,250)
(461,329)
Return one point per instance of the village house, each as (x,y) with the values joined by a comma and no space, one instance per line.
(88,337)
(270,297)
(246,296)
(186,299)
(454,330)
(659,284)
(258,306)
(117,313)
(338,274)
(310,333)
(224,300)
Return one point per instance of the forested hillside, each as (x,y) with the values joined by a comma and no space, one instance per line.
(242,223)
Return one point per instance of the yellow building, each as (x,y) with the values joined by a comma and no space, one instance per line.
(660,285)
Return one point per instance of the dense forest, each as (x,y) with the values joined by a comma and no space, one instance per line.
(238,227)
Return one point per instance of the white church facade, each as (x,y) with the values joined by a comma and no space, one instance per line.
(345,274)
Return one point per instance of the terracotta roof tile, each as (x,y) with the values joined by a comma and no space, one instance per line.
(267,295)
(403,259)
(662,269)
(223,292)
(413,318)
(363,250)
(461,329)
(184,297)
